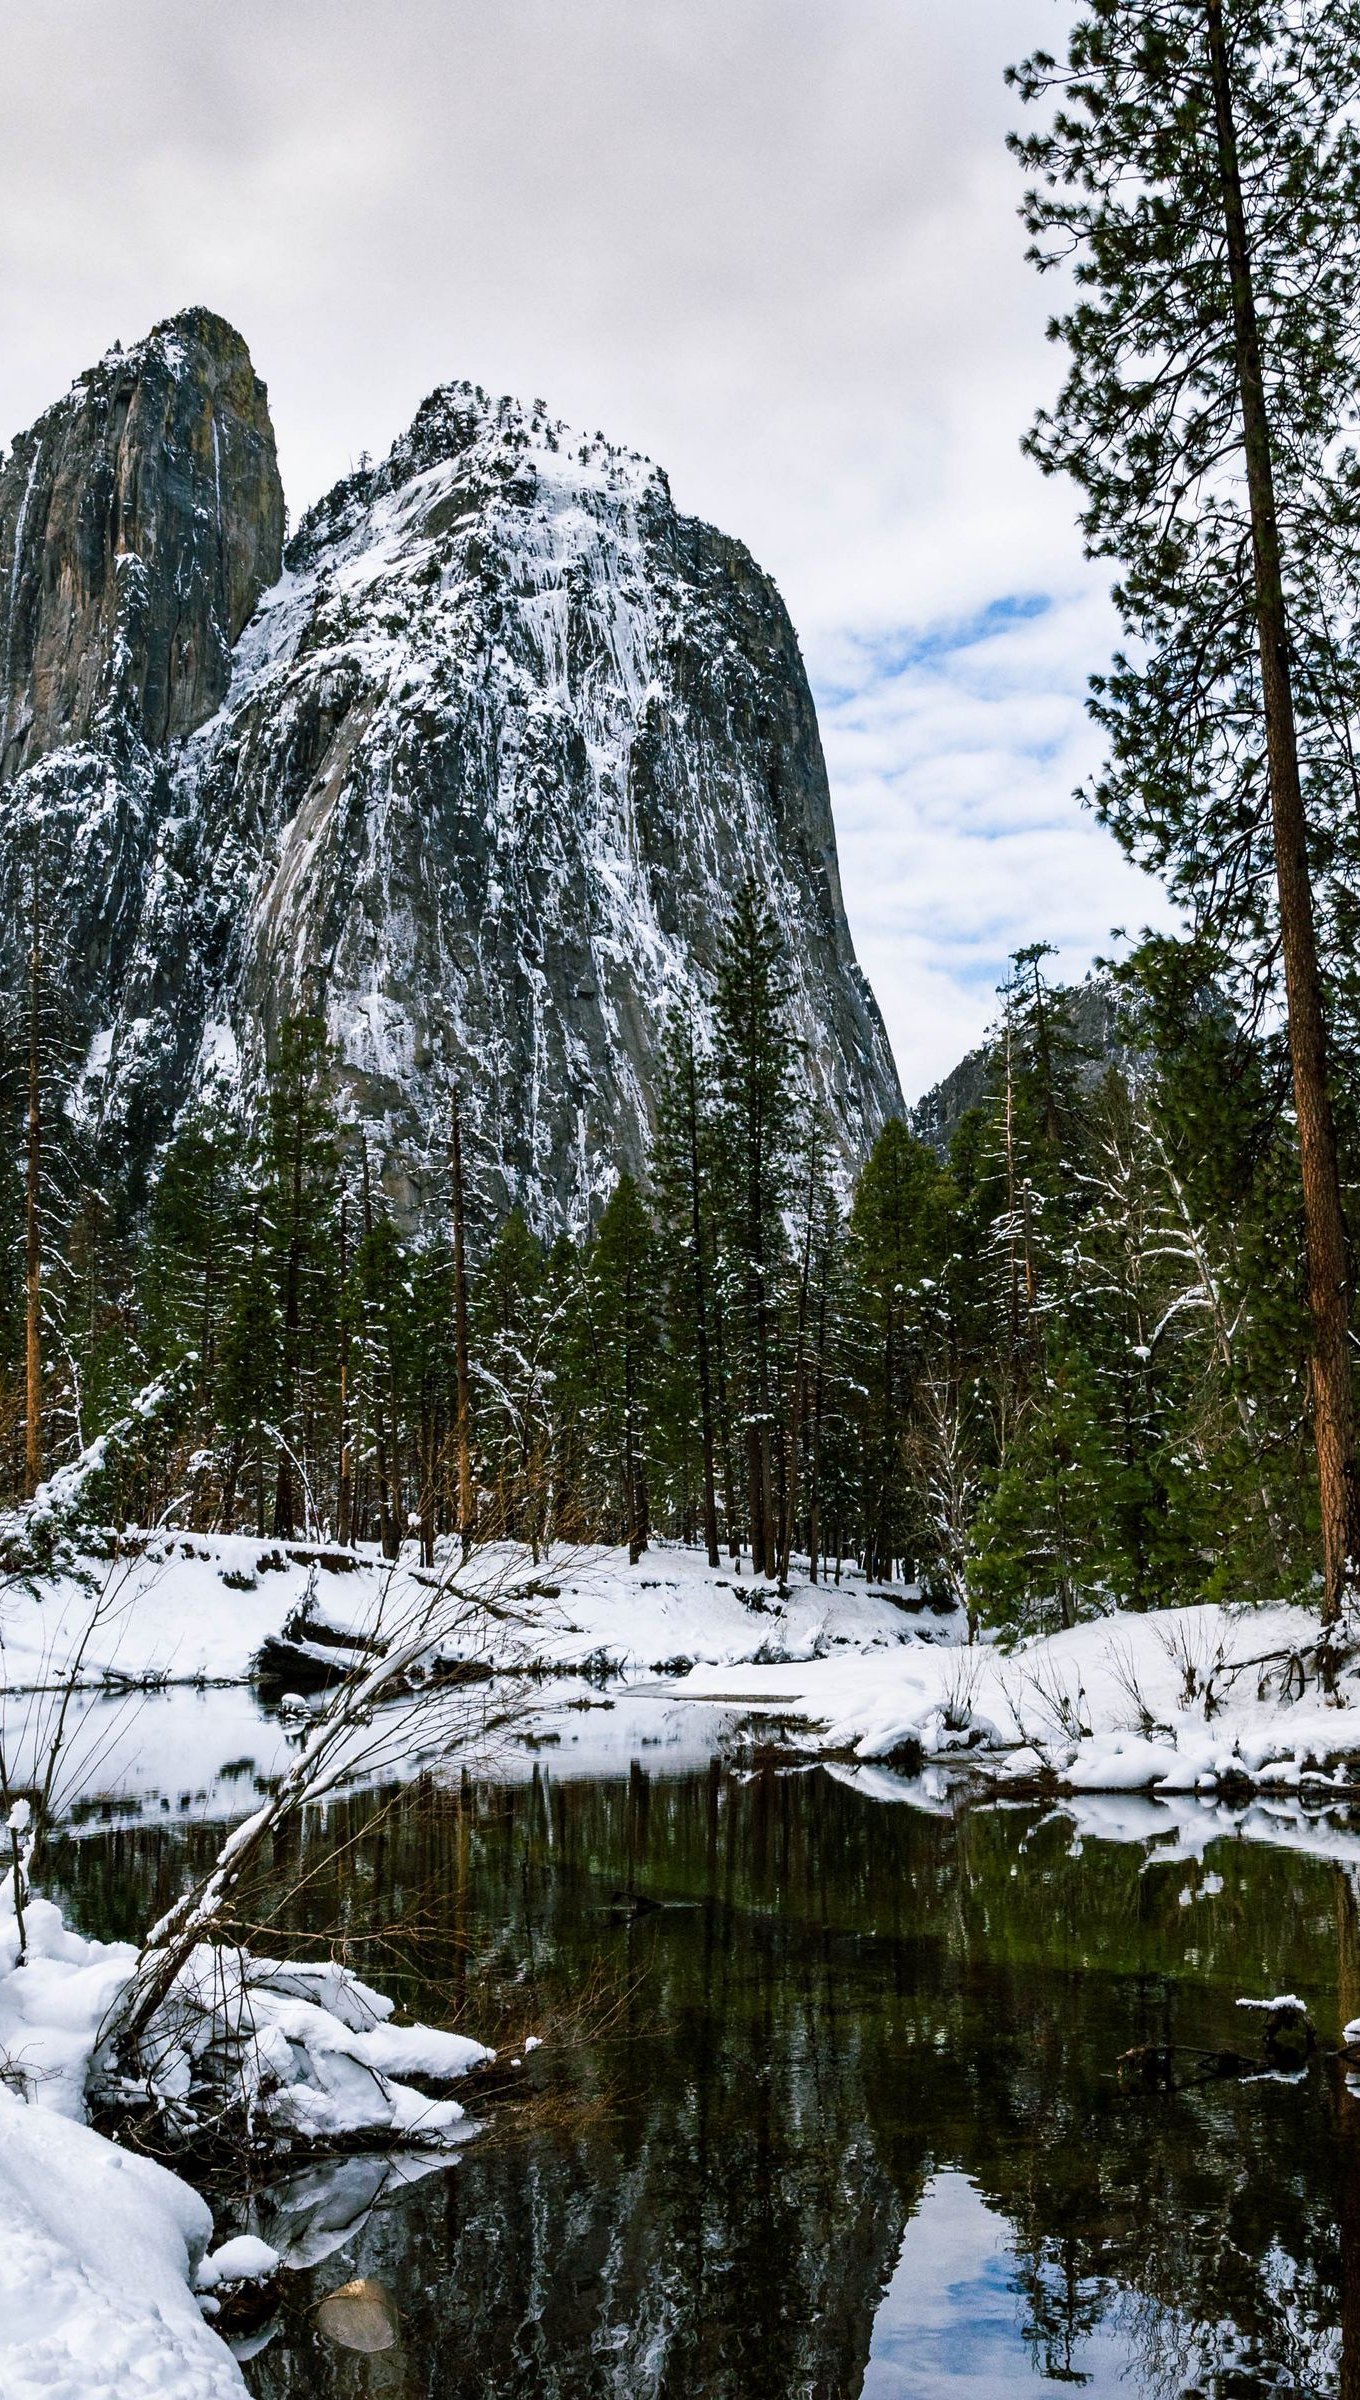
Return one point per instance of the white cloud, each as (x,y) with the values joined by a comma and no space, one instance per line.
(954,758)
(772,242)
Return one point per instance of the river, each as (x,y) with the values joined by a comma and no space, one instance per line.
(830,2097)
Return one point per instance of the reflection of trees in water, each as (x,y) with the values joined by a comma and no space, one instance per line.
(1062,2305)
(852,1996)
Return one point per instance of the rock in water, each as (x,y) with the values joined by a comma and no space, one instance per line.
(359,2316)
(494,753)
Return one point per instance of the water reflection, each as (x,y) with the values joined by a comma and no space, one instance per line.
(828,2103)
(953,2323)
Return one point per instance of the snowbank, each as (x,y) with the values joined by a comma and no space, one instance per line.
(200,1607)
(1181,1700)
(299,2051)
(1177,1700)
(102,2248)
(96,2270)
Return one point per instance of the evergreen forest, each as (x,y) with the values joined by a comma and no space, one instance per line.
(1052,1360)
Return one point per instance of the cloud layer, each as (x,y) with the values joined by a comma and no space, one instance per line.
(771,242)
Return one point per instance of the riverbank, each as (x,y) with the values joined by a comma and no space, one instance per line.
(201,1608)
(1177,1701)
(107,2282)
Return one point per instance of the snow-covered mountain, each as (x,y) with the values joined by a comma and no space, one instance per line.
(474,776)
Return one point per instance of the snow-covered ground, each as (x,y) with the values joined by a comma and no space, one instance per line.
(198,1607)
(1180,1700)
(96,2266)
(1176,1700)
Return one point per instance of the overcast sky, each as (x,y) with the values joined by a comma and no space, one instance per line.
(772,243)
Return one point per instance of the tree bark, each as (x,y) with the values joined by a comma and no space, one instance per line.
(1328,1264)
(799,1404)
(344,1504)
(285,1498)
(386,1528)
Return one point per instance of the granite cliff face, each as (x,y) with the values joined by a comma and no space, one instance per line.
(475,784)
(140,520)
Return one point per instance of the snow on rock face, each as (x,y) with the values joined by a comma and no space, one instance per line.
(496,751)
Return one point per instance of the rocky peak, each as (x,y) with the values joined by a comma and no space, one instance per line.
(140,520)
(475,788)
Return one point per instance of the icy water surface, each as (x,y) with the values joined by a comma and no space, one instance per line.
(828,2101)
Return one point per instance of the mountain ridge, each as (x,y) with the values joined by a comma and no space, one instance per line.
(491,752)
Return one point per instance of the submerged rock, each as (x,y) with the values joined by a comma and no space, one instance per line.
(359,2316)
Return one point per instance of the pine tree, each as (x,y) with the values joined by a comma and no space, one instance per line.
(378,1282)
(755,1054)
(515,1334)
(1202,168)
(300,1158)
(683,1167)
(624,1271)
(899,1241)
(252,1383)
(462,1369)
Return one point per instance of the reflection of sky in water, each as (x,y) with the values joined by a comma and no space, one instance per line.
(951,2320)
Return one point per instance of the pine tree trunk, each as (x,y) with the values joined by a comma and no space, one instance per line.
(33,1394)
(767,1485)
(729,1472)
(815,1460)
(799,1406)
(701,1317)
(285,1499)
(1010,1197)
(460,1336)
(228,1511)
(427,1478)
(206,1342)
(755,1498)
(1328,1264)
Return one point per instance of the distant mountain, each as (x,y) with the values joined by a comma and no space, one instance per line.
(1091,1011)
(471,771)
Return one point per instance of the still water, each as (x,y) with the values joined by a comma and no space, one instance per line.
(829,2099)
